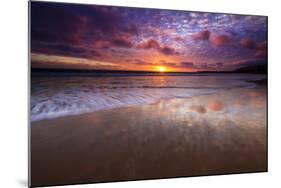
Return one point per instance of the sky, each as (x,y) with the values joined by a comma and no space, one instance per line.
(75,36)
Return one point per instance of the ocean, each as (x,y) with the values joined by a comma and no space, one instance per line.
(60,94)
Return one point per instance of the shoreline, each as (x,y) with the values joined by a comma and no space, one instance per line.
(209,134)
(259,83)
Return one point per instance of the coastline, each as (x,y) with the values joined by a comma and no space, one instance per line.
(209,134)
(58,97)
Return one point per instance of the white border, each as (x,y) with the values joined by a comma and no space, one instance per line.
(14,92)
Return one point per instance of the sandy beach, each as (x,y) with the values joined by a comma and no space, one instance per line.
(210,134)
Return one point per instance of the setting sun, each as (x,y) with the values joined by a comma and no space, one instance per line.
(161,69)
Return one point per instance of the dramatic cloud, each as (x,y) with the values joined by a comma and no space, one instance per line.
(101,44)
(54,61)
(153,44)
(168,51)
(52,23)
(217,40)
(73,24)
(179,40)
(187,64)
(220,40)
(247,43)
(131,29)
(261,50)
(140,62)
(261,53)
(165,63)
(249,62)
(122,42)
(149,44)
(65,50)
(262,45)
(66,29)
(203,35)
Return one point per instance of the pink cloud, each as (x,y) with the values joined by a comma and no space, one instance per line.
(262,45)
(220,40)
(261,53)
(247,43)
(153,44)
(261,50)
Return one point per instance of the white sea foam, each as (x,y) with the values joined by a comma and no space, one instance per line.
(60,96)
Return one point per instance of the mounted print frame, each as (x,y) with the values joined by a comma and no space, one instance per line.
(125,93)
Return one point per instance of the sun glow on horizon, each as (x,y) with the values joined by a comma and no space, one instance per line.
(161,69)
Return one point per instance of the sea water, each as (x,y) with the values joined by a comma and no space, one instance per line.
(62,95)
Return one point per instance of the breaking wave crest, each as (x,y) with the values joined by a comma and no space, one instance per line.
(53,97)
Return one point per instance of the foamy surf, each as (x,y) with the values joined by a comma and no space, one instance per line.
(62,96)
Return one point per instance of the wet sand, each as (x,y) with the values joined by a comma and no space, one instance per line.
(211,134)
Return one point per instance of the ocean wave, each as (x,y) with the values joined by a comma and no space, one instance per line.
(56,97)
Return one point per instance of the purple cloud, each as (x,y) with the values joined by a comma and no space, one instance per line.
(153,44)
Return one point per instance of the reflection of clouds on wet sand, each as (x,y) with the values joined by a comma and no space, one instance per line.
(212,106)
(240,105)
(198,108)
(211,134)
(215,105)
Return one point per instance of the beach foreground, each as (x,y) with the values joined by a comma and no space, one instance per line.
(210,134)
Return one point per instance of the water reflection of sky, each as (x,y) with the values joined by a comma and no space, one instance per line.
(246,107)
(211,134)
(61,96)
